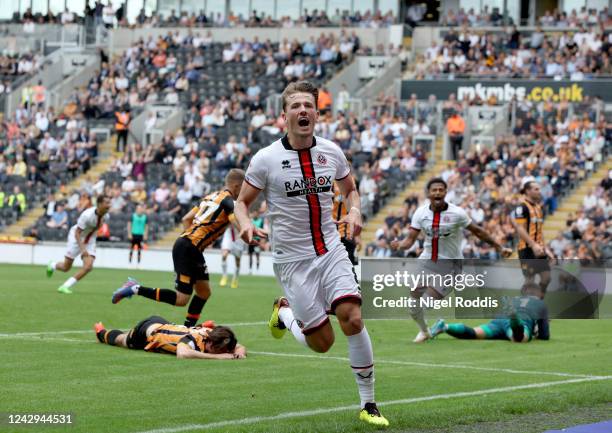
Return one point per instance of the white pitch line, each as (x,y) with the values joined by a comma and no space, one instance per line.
(49,336)
(430,365)
(301,414)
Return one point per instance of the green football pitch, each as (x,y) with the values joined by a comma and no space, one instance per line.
(52,363)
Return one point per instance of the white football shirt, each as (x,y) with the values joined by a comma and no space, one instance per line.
(297,186)
(443,231)
(89,222)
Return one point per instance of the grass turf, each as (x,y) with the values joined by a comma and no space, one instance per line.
(113,389)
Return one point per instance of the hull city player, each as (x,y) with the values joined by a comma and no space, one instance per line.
(296,174)
(203,225)
(528,221)
(82,241)
(443,224)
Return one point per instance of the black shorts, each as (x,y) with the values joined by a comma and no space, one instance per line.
(137,240)
(189,265)
(350,249)
(532,265)
(137,337)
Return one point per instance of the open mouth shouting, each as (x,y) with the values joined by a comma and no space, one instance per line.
(303,121)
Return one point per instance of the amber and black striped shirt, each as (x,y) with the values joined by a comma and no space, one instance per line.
(531,217)
(211,219)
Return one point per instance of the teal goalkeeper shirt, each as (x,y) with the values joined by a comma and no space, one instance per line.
(139,223)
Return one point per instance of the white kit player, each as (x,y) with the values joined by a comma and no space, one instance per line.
(82,241)
(296,174)
(443,224)
(231,243)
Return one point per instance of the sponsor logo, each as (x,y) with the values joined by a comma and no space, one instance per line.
(308,186)
(507,92)
(285,164)
(321,159)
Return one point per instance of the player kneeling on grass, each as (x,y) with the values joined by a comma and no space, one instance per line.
(528,318)
(156,334)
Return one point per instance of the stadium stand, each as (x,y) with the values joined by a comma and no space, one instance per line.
(557,148)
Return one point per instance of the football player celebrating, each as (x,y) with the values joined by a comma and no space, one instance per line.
(443,224)
(296,174)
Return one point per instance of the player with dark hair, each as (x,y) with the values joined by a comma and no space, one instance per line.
(156,334)
(296,174)
(528,221)
(203,225)
(443,224)
(82,241)
(528,319)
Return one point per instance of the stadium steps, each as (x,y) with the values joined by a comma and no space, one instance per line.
(397,202)
(573,203)
(167,241)
(104,161)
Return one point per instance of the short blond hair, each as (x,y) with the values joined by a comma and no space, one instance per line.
(300,87)
(235,175)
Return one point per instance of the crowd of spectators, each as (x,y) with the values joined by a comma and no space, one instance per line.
(549,145)
(104,13)
(588,233)
(40,150)
(577,55)
(170,69)
(559,19)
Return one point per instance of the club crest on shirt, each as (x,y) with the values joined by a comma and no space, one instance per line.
(446,219)
(321,159)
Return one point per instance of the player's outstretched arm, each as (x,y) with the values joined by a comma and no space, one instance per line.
(248,232)
(353,217)
(408,242)
(183,351)
(481,234)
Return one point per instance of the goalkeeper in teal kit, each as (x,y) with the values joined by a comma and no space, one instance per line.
(528,319)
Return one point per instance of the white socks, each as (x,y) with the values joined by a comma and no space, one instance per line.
(362,364)
(70,282)
(224,267)
(286,315)
(418,313)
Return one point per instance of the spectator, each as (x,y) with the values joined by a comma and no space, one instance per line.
(59,219)
(455,125)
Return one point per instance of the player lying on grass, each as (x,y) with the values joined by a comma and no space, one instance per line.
(443,224)
(203,225)
(156,334)
(528,319)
